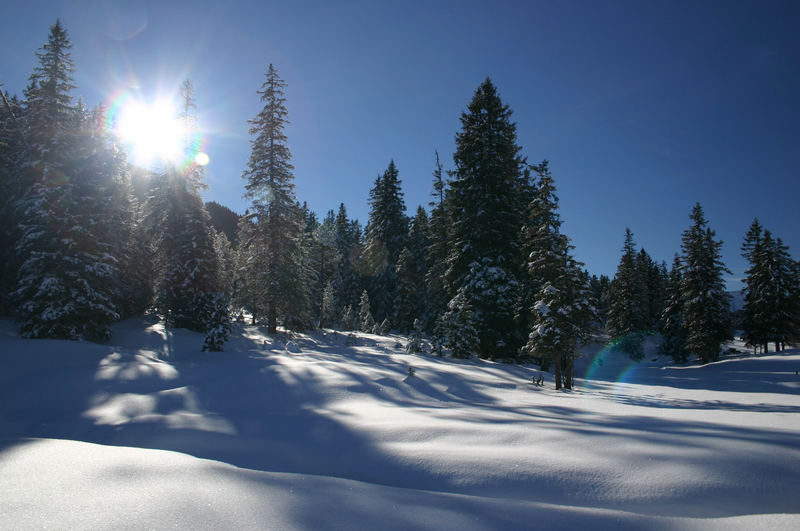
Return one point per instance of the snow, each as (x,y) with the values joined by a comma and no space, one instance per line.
(310,433)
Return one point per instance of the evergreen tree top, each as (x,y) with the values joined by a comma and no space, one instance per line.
(53,76)
(486,128)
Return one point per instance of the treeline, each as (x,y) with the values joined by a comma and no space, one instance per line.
(485,270)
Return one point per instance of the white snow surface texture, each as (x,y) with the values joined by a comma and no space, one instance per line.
(149,433)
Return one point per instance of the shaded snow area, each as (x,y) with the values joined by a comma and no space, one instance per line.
(315,432)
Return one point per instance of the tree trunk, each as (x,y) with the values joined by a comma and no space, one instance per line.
(570,365)
(557,366)
(272,321)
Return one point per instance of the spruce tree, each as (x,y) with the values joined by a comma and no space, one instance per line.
(435,295)
(366,323)
(706,311)
(411,269)
(328,314)
(189,291)
(277,223)
(13,189)
(771,291)
(673,332)
(386,235)
(347,278)
(756,289)
(562,310)
(627,314)
(485,213)
(67,286)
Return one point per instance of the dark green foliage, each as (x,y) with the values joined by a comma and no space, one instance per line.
(673,331)
(185,263)
(627,313)
(12,191)
(435,296)
(562,311)
(347,279)
(68,244)
(771,291)
(218,325)
(272,234)
(386,235)
(485,211)
(366,323)
(601,287)
(223,219)
(706,312)
(411,269)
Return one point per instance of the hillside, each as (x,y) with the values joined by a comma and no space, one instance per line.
(317,433)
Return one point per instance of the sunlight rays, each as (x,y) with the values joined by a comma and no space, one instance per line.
(153,132)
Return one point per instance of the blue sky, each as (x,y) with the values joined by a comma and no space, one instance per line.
(642,108)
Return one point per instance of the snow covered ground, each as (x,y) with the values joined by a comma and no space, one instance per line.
(313,433)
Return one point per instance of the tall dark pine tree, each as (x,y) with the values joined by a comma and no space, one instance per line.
(13,189)
(627,313)
(756,289)
(771,291)
(411,269)
(189,292)
(706,310)
(562,311)
(386,235)
(435,296)
(347,282)
(66,286)
(673,331)
(276,238)
(486,213)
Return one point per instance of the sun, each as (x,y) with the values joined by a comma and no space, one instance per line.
(152,132)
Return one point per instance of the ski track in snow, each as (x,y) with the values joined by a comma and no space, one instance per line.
(307,433)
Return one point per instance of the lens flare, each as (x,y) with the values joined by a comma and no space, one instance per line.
(153,133)
(611,366)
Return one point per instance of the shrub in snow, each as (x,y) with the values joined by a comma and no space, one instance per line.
(347,319)
(219,327)
(411,371)
(384,328)
(365,321)
(459,326)
(415,343)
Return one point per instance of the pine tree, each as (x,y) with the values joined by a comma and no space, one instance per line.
(436,254)
(788,298)
(366,323)
(386,235)
(485,212)
(186,264)
(347,279)
(67,286)
(13,189)
(324,259)
(626,314)
(756,287)
(188,287)
(457,327)
(277,223)
(706,312)
(328,313)
(411,270)
(771,290)
(562,311)
(672,329)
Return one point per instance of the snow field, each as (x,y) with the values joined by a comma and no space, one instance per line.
(312,433)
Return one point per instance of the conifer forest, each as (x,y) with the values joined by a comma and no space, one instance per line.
(482,270)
